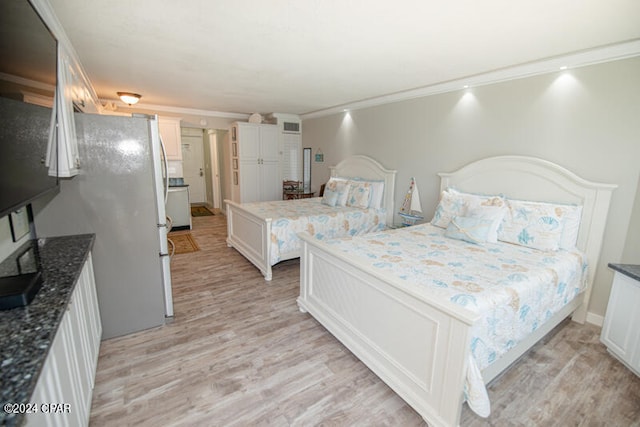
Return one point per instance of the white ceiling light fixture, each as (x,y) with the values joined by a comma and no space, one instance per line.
(129,97)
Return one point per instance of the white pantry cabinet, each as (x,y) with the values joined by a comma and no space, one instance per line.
(621,328)
(170,134)
(255,162)
(68,374)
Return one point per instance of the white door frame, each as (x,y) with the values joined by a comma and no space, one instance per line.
(215,169)
(198,143)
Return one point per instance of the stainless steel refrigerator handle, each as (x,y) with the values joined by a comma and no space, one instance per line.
(166,169)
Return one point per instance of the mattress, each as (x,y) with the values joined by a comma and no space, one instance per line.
(514,289)
(290,217)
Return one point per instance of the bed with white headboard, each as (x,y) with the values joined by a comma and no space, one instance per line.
(250,226)
(416,342)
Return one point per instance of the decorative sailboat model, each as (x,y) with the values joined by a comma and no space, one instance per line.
(411,209)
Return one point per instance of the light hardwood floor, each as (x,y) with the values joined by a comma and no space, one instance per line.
(239,353)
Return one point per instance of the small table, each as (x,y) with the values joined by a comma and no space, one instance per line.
(297,194)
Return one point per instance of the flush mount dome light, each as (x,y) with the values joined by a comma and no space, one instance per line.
(129,97)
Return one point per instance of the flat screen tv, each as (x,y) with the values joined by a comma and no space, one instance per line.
(28,71)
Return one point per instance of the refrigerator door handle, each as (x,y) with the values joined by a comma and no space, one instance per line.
(166,169)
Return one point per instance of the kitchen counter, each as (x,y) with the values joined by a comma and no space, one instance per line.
(27,332)
(629,270)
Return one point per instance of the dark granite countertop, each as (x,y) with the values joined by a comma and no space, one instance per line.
(27,332)
(178,185)
(630,270)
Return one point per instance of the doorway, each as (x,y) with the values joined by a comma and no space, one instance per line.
(193,163)
(213,176)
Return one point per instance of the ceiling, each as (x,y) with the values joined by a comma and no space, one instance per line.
(303,56)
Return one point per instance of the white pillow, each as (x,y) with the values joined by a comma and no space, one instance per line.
(572,219)
(359,194)
(535,225)
(495,214)
(377,190)
(456,203)
(336,192)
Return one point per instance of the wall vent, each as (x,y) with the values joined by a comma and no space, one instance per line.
(291,127)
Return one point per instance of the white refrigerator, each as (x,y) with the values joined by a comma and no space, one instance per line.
(120,196)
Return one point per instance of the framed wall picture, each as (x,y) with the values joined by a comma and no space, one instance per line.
(234,149)
(19,221)
(233,133)
(27,262)
(235,164)
(235,178)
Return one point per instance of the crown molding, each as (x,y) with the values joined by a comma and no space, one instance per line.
(574,60)
(176,110)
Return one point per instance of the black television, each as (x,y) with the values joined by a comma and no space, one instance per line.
(28,77)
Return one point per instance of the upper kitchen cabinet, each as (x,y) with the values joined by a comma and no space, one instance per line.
(74,94)
(68,162)
(170,134)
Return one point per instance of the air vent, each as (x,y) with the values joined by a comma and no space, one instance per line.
(291,127)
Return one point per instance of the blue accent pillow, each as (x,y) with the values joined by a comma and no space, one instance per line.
(469,229)
(330,197)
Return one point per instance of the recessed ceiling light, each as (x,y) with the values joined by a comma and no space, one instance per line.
(564,67)
(466,86)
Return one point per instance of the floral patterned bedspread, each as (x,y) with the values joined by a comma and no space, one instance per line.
(290,217)
(514,289)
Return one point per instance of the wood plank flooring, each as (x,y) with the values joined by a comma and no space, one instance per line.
(239,353)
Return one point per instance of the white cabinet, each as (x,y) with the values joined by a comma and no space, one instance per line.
(255,162)
(74,94)
(178,208)
(67,163)
(74,91)
(170,134)
(621,329)
(68,375)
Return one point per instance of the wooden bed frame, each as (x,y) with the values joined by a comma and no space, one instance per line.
(251,235)
(418,345)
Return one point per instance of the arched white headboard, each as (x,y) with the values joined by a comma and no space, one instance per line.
(360,166)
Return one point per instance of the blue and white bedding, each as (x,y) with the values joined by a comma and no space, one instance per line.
(290,217)
(515,289)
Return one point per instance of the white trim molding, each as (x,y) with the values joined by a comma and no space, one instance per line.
(579,59)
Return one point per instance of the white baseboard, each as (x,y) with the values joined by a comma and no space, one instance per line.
(595,319)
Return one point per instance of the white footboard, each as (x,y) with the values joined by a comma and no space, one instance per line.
(416,346)
(250,235)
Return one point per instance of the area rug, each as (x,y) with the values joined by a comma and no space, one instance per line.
(200,211)
(184,243)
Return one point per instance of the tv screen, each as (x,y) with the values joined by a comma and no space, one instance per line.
(28,69)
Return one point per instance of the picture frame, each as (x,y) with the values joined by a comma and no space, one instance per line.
(19,223)
(233,133)
(235,178)
(27,262)
(234,149)
(235,164)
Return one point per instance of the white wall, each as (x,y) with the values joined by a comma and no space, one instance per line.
(586,119)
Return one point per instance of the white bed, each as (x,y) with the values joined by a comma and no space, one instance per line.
(422,349)
(251,233)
